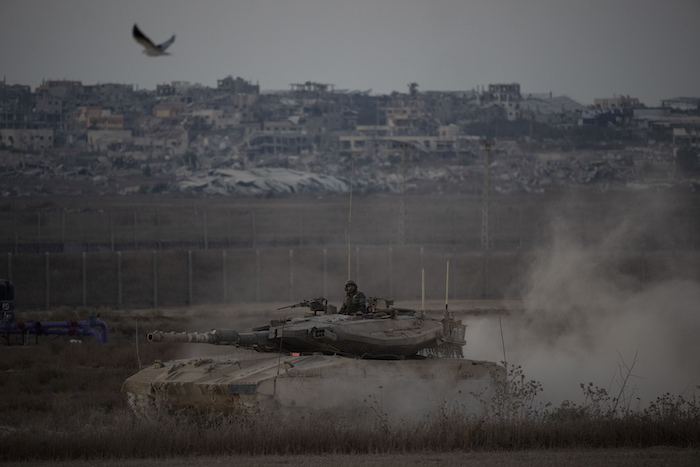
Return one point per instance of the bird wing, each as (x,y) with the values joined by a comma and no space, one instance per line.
(145,41)
(166,44)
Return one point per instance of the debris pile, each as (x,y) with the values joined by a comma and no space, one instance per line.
(228,173)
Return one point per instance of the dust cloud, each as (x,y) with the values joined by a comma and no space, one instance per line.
(595,306)
(587,320)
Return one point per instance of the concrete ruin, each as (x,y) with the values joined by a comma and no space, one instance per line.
(72,139)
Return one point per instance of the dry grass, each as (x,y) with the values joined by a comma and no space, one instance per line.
(61,402)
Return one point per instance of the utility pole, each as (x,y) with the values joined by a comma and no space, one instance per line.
(486,143)
(485,198)
(402,206)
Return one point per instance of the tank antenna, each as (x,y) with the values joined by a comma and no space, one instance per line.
(447,287)
(279,357)
(138,357)
(422,290)
(503,343)
(352,172)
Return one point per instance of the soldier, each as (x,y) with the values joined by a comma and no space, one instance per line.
(354,301)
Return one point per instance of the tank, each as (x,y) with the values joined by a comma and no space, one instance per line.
(388,360)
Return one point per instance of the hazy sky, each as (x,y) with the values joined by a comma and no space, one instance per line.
(581,48)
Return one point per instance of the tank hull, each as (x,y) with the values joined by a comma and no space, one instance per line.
(254,384)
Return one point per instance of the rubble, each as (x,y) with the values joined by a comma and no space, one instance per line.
(257,182)
(511,172)
(73,139)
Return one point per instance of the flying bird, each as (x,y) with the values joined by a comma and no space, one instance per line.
(150,48)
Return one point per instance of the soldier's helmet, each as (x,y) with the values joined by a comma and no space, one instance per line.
(350,282)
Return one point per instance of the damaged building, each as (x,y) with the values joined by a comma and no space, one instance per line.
(184,132)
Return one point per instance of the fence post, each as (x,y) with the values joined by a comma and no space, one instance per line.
(160,245)
(519,271)
(48,282)
(487,273)
(253,239)
(391,273)
(84,279)
(223,276)
(204,227)
(155,279)
(14,223)
(325,272)
(189,278)
(111,231)
(453,264)
(119,280)
(301,227)
(63,226)
(257,275)
(228,228)
(291,275)
(84,231)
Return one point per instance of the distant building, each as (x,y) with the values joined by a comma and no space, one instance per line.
(556,111)
(310,89)
(375,140)
(16,102)
(101,140)
(60,88)
(27,139)
(506,96)
(106,122)
(217,118)
(97,118)
(85,112)
(238,85)
(686,138)
(289,143)
(684,104)
(172,142)
(402,119)
(244,103)
(168,110)
(165,90)
(617,105)
(48,103)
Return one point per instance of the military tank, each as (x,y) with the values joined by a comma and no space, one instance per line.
(388,360)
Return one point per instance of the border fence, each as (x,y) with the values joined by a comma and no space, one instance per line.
(141,279)
(62,230)
(513,226)
(175,253)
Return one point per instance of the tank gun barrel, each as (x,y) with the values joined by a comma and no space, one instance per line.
(215,336)
(315,304)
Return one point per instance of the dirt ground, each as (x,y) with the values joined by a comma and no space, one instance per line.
(656,456)
(247,315)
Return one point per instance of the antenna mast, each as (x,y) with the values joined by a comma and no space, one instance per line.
(486,143)
(447,288)
(352,172)
(486,202)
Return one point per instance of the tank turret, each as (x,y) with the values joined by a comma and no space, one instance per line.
(383,332)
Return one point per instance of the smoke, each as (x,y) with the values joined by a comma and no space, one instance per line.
(587,319)
(596,305)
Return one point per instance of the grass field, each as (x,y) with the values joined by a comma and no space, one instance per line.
(61,402)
